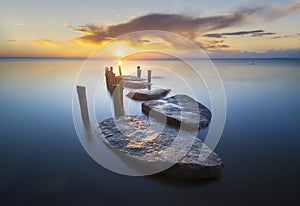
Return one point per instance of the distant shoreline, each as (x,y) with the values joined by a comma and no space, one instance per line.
(145,59)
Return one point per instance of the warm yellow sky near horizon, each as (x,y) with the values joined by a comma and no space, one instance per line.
(223,29)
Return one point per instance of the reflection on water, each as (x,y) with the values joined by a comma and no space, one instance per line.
(43,163)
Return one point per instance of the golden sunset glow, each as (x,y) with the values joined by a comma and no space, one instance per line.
(229,33)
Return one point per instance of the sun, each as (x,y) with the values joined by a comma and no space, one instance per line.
(119,53)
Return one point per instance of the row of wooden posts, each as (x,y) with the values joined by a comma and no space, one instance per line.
(112,81)
(139,73)
(115,85)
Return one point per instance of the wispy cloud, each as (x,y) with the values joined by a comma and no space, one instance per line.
(67,25)
(214,44)
(282,37)
(286,36)
(17,24)
(253,33)
(263,34)
(277,11)
(45,42)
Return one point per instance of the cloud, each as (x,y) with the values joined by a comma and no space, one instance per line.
(213,35)
(17,24)
(278,11)
(263,34)
(191,27)
(67,25)
(187,26)
(279,53)
(253,33)
(46,42)
(282,37)
(214,45)
(215,41)
(217,47)
(286,36)
(239,33)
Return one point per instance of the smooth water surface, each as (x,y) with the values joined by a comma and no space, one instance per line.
(43,162)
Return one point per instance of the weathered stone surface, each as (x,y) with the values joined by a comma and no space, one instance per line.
(145,94)
(180,110)
(130,78)
(136,84)
(133,82)
(150,141)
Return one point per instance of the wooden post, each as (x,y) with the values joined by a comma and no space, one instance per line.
(118,98)
(83,104)
(149,76)
(113,81)
(139,72)
(120,70)
(106,76)
(110,79)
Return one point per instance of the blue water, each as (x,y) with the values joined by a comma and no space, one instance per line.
(43,162)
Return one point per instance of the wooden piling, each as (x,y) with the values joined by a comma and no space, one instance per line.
(139,72)
(118,98)
(149,76)
(110,79)
(120,70)
(83,104)
(113,81)
(106,78)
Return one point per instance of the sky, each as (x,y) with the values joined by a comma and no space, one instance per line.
(224,28)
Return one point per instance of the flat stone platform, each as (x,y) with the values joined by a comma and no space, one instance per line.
(144,139)
(145,94)
(180,111)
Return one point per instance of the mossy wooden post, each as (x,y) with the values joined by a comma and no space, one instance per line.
(139,72)
(81,92)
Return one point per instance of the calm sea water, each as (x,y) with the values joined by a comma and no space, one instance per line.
(43,162)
